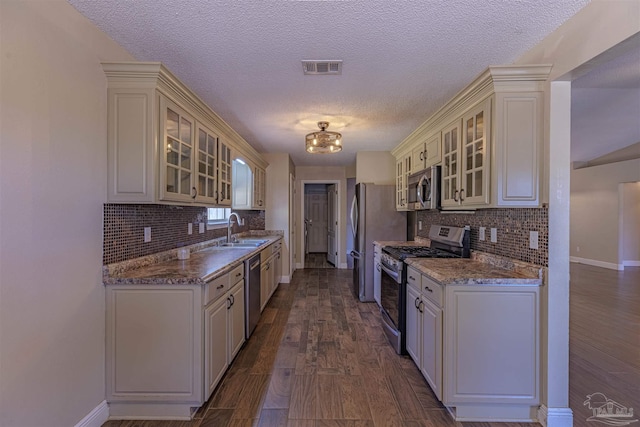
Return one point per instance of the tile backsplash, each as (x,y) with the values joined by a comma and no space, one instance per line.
(124,229)
(513,227)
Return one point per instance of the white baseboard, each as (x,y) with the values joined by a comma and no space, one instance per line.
(343,266)
(285,279)
(555,417)
(631,263)
(299,266)
(596,263)
(98,416)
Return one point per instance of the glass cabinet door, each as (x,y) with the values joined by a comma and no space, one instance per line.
(178,154)
(475,169)
(400,200)
(206,166)
(224,174)
(450,187)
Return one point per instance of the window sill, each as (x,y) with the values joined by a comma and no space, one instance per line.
(216,225)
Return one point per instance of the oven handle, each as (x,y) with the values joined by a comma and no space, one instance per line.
(391,273)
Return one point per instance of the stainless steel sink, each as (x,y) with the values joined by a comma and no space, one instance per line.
(258,241)
(242,244)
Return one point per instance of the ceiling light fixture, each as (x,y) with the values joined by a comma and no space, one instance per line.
(324,141)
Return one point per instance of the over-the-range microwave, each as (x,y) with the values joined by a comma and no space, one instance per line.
(424,189)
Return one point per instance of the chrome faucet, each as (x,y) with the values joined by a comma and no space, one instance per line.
(237,221)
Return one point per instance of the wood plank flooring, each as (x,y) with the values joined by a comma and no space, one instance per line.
(318,358)
(604,338)
(317,260)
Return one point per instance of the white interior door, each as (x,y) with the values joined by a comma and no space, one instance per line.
(292,225)
(332,223)
(316,214)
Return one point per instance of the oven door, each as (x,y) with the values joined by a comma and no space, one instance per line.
(391,306)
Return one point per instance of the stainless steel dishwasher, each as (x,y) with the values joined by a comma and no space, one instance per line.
(252,294)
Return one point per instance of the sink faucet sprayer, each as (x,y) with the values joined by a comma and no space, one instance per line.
(238,221)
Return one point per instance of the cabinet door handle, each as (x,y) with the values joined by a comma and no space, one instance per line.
(217,201)
(428,289)
(415,303)
(421,154)
(229,303)
(420,307)
(461,195)
(455,196)
(412,278)
(194,190)
(233,299)
(219,286)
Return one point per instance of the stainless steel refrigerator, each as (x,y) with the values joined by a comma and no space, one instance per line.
(373,217)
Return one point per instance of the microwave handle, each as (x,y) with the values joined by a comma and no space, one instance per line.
(419,189)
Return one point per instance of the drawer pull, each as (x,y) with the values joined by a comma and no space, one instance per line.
(219,286)
(428,288)
(412,278)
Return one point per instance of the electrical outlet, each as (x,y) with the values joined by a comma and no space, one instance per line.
(482,236)
(201,227)
(494,235)
(577,248)
(533,239)
(147,234)
(190,228)
(420,225)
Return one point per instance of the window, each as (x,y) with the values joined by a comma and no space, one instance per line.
(218,216)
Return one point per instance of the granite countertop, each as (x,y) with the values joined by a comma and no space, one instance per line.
(202,265)
(420,241)
(464,271)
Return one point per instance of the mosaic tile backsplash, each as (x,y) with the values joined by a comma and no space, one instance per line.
(124,229)
(513,227)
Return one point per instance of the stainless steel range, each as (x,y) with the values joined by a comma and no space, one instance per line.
(446,242)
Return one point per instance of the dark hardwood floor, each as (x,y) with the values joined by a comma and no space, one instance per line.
(604,338)
(318,358)
(317,260)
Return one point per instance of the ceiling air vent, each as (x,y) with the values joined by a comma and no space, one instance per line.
(322,67)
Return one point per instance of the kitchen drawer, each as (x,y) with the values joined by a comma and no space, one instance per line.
(432,291)
(215,288)
(277,246)
(414,278)
(236,275)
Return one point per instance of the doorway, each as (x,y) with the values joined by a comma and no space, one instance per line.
(320,224)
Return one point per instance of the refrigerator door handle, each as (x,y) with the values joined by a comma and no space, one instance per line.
(355,255)
(354,216)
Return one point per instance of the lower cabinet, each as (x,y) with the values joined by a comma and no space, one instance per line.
(477,346)
(169,345)
(424,332)
(270,271)
(223,335)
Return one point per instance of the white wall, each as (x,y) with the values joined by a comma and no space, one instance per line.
(377,167)
(277,212)
(322,174)
(52,189)
(595,211)
(630,220)
(597,28)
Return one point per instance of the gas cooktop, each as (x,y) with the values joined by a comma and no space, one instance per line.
(403,252)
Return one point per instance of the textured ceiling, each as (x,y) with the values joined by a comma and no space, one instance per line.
(402,59)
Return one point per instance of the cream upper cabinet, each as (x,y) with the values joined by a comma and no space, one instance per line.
(466,153)
(491,140)
(163,144)
(403,170)
(259,188)
(426,154)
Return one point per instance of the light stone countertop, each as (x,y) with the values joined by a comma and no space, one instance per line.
(464,271)
(204,265)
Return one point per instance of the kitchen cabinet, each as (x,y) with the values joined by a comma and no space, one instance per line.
(163,144)
(259,188)
(491,140)
(169,345)
(426,154)
(403,170)
(477,346)
(249,187)
(466,154)
(424,327)
(270,258)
